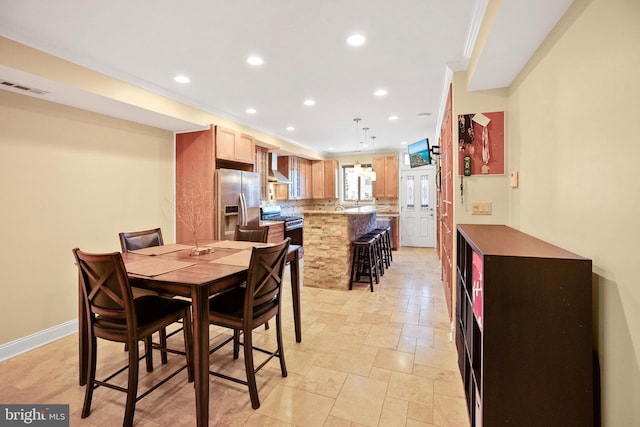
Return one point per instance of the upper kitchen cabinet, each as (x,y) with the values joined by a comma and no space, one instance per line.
(324,175)
(306,186)
(297,171)
(386,183)
(234,146)
(262,168)
(195,167)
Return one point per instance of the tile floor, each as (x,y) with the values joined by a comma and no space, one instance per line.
(366,359)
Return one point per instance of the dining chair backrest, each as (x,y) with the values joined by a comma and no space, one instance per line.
(264,282)
(252,233)
(132,240)
(107,294)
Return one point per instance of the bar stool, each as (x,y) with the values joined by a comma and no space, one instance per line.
(378,260)
(363,261)
(385,233)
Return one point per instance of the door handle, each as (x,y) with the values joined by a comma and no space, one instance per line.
(243,210)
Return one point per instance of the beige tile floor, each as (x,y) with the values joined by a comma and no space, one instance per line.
(366,359)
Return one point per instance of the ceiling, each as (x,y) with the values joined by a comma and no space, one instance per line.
(410,50)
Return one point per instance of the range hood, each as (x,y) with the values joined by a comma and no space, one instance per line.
(275,176)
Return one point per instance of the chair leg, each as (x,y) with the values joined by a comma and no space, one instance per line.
(163,344)
(132,387)
(371,268)
(90,376)
(283,366)
(148,348)
(187,332)
(249,369)
(236,343)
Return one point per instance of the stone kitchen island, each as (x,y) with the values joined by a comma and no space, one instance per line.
(327,245)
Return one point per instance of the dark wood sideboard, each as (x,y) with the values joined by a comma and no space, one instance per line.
(523,329)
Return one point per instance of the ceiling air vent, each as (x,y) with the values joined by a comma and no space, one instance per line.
(33,90)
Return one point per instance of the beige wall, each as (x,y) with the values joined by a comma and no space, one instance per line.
(478,188)
(70,178)
(571,121)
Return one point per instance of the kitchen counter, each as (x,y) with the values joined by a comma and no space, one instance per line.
(357,210)
(388,214)
(269,222)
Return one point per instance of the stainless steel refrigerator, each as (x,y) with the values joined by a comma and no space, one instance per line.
(238,201)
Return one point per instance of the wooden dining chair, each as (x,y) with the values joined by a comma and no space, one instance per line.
(245,308)
(112,313)
(251,233)
(131,241)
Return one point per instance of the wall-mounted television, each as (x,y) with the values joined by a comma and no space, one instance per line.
(419,153)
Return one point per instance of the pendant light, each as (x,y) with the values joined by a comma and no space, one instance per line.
(373,145)
(357,167)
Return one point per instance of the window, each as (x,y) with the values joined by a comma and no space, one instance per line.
(357,185)
(410,187)
(424,192)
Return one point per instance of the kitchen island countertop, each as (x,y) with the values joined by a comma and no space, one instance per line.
(357,210)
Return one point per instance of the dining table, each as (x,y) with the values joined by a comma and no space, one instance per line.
(171,269)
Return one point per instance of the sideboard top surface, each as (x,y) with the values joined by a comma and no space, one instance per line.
(501,240)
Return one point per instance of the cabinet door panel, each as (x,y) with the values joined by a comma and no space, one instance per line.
(245,147)
(330,179)
(225,143)
(317,178)
(391,176)
(379,183)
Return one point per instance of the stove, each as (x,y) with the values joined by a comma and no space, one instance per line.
(292,224)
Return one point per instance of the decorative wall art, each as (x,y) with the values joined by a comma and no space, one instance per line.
(481,143)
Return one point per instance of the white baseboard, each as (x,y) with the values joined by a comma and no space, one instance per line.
(30,342)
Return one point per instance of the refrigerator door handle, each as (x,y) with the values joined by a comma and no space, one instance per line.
(243,210)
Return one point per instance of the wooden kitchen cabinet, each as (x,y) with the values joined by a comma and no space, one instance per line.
(317,179)
(262,168)
(308,182)
(386,183)
(330,179)
(395,233)
(324,175)
(195,167)
(276,233)
(234,146)
(297,170)
(282,190)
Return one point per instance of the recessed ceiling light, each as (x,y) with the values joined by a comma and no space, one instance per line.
(331,148)
(424,114)
(290,128)
(181,79)
(380,92)
(403,143)
(393,117)
(255,60)
(251,110)
(356,40)
(309,102)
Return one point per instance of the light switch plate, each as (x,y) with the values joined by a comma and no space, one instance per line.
(481,208)
(513,176)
